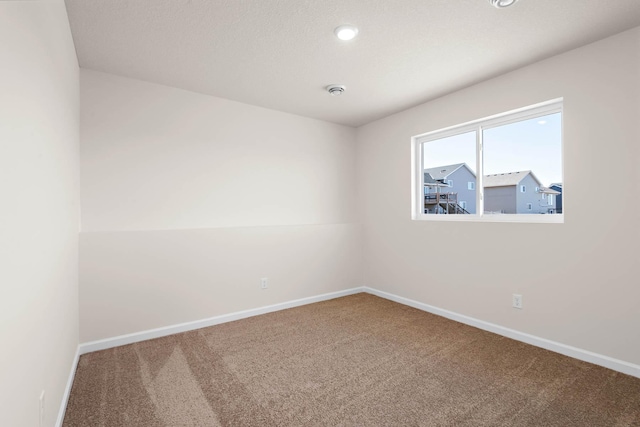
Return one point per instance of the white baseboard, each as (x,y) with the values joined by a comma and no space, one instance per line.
(197,324)
(67,390)
(567,350)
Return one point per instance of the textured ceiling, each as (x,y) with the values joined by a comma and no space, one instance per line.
(280,54)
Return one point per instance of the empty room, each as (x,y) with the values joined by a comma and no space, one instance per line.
(319,213)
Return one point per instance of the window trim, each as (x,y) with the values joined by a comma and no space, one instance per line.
(478,126)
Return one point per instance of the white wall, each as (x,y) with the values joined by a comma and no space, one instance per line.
(39,209)
(188,199)
(157,158)
(579,279)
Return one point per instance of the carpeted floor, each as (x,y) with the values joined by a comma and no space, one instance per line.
(353,361)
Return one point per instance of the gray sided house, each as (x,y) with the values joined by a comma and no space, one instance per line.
(558,187)
(517,193)
(451,185)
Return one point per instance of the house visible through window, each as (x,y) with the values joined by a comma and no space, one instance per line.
(498,158)
(446,180)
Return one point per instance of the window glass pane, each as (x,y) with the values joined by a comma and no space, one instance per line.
(449,167)
(519,157)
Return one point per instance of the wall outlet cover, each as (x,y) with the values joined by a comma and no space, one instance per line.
(517,301)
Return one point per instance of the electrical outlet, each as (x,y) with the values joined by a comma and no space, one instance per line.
(517,301)
(41,406)
(264,283)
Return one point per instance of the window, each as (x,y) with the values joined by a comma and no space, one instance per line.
(498,157)
(550,199)
(463,204)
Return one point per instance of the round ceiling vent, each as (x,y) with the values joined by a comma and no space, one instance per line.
(502,3)
(336,90)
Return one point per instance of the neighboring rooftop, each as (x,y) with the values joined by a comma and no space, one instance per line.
(506,179)
(430,182)
(547,190)
(439,173)
(428,179)
(442,172)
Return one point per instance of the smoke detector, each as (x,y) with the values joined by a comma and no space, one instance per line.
(336,90)
(502,3)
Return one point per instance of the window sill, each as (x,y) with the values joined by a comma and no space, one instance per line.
(517,218)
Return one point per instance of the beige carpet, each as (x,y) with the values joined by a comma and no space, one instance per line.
(353,361)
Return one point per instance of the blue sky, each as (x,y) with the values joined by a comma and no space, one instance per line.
(533,144)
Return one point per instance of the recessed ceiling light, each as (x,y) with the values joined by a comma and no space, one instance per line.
(346,32)
(336,90)
(502,3)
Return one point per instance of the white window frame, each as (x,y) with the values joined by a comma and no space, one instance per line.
(478,126)
(471,185)
(523,188)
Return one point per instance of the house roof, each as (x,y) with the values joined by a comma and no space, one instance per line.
(428,179)
(442,172)
(430,182)
(507,179)
(439,173)
(547,190)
